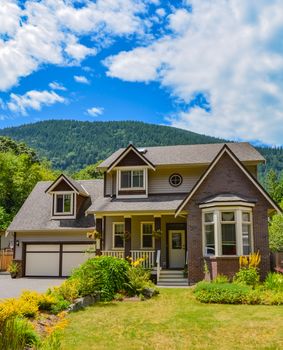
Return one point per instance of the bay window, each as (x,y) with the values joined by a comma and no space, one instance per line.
(227,232)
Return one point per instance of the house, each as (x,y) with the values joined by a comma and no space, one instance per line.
(175,206)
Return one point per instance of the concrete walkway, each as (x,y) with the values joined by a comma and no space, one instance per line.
(10,288)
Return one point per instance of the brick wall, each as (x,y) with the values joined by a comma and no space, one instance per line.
(226,177)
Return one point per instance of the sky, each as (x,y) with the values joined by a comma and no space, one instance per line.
(214,67)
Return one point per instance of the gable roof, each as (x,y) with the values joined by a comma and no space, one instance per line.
(35,213)
(124,152)
(190,154)
(227,150)
(75,185)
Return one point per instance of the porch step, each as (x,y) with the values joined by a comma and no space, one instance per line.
(172,278)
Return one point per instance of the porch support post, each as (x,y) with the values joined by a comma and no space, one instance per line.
(157,227)
(128,232)
(98,226)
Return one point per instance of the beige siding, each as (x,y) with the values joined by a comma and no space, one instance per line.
(158,181)
(47,237)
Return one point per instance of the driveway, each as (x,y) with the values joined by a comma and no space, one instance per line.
(10,288)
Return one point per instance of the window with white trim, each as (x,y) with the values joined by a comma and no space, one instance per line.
(147,240)
(227,232)
(118,235)
(131,179)
(64,203)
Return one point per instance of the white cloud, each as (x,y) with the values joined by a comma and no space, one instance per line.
(54,85)
(229,50)
(81,79)
(33,100)
(49,32)
(95,111)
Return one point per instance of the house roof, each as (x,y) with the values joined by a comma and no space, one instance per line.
(76,185)
(35,214)
(226,149)
(227,197)
(161,202)
(190,154)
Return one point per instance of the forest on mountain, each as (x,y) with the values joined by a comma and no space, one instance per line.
(72,145)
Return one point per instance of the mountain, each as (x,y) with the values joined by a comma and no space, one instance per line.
(71,145)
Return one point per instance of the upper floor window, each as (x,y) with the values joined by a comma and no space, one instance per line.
(227,232)
(63,203)
(132,179)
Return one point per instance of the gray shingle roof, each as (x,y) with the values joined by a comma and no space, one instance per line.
(228,197)
(192,154)
(35,214)
(152,203)
(75,184)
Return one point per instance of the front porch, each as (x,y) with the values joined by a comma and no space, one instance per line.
(160,240)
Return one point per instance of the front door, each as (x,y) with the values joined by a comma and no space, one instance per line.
(177,249)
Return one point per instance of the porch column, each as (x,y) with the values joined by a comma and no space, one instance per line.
(98,226)
(157,227)
(128,231)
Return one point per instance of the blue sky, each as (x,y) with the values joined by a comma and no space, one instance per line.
(210,67)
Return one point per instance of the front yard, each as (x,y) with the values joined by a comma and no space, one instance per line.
(174,320)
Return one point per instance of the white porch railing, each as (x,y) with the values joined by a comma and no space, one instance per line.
(147,255)
(158,268)
(116,253)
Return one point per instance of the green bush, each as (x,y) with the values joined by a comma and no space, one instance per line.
(221,279)
(17,333)
(221,293)
(248,276)
(104,274)
(138,280)
(274,281)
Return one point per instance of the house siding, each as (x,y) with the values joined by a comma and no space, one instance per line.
(225,177)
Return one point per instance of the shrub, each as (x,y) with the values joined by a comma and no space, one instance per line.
(221,279)
(17,334)
(104,274)
(43,301)
(69,289)
(274,281)
(270,297)
(138,280)
(221,293)
(248,276)
(253,297)
(17,307)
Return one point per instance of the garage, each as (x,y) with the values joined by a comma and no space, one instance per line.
(50,259)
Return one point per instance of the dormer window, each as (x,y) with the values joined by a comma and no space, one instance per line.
(132,179)
(63,203)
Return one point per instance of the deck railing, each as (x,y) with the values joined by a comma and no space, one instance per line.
(147,255)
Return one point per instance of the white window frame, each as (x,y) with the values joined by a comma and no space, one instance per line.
(129,189)
(113,235)
(142,234)
(67,215)
(218,233)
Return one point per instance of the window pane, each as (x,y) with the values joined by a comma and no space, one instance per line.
(59,206)
(228,216)
(118,241)
(138,178)
(208,217)
(147,241)
(119,229)
(229,239)
(147,229)
(246,217)
(246,229)
(176,240)
(209,240)
(125,179)
(67,203)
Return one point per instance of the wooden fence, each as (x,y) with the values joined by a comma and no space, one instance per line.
(6,257)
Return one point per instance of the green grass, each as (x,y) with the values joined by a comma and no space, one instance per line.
(174,320)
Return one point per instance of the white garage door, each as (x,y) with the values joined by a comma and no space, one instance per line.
(54,260)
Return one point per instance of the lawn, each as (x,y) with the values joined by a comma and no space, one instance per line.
(174,320)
